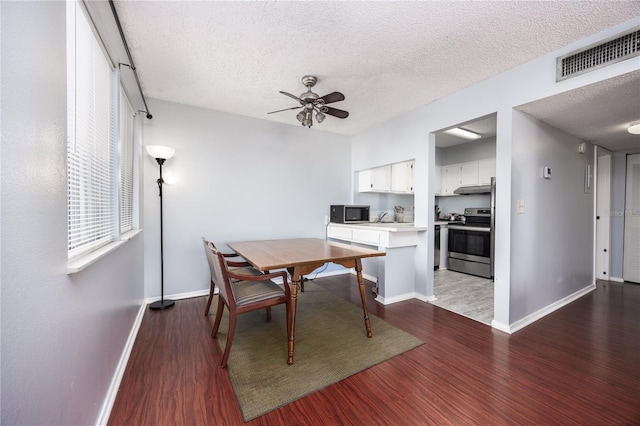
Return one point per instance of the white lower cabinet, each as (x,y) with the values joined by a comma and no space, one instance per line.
(339,233)
(395,272)
(366,236)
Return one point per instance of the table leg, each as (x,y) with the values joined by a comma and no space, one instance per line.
(363,297)
(295,282)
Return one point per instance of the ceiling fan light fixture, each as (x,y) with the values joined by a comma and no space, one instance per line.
(634,128)
(310,102)
(308,119)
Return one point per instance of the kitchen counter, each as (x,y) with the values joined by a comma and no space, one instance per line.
(395,273)
(384,226)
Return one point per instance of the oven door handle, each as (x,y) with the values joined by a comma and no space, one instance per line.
(470,228)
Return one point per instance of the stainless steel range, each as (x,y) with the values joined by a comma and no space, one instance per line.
(471,245)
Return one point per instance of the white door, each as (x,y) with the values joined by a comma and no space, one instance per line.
(603,210)
(631,267)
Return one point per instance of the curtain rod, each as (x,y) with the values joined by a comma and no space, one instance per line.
(131,64)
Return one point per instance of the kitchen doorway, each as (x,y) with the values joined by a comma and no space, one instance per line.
(465,163)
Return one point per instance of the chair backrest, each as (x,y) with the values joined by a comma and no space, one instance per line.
(210,259)
(218,266)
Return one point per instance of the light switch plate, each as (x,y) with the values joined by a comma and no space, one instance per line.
(520,206)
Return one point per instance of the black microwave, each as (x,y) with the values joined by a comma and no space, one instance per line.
(349,214)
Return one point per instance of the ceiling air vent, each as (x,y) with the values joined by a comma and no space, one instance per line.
(610,51)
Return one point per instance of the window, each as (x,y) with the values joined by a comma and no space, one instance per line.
(100,157)
(125,155)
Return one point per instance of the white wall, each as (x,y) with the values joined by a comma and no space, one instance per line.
(552,241)
(412,136)
(471,151)
(62,336)
(238,178)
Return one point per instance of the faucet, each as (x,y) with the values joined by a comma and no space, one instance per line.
(380,216)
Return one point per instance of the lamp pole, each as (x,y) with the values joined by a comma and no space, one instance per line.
(162,303)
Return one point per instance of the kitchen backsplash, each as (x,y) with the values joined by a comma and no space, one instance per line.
(386,203)
(457,204)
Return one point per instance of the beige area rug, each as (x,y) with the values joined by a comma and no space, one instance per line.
(331,344)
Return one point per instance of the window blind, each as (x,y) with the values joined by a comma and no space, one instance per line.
(126,158)
(90,159)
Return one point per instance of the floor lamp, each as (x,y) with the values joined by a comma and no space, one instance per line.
(161,154)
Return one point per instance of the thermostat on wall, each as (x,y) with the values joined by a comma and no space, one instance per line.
(546,172)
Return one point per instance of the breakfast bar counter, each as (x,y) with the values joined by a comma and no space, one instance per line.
(395,273)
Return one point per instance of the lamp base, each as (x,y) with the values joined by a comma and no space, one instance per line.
(162,304)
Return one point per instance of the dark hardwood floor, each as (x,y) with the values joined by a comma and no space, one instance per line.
(579,365)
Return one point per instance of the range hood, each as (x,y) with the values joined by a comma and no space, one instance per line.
(473,189)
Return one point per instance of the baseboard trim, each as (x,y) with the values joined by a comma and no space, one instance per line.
(540,313)
(179,296)
(616,279)
(112,392)
(402,298)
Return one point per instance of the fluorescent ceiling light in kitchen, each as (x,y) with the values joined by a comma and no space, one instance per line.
(461,133)
(634,128)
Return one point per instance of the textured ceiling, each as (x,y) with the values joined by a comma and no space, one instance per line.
(599,112)
(387,58)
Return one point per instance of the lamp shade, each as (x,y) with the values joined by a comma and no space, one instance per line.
(159,151)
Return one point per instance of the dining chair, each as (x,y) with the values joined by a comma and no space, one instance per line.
(239,264)
(245,293)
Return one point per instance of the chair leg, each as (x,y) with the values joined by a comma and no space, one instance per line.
(268,313)
(211,290)
(289,329)
(227,349)
(216,324)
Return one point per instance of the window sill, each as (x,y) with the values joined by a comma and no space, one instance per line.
(77,265)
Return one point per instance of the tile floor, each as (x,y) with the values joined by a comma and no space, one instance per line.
(464,294)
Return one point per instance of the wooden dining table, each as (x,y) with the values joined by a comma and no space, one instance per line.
(301,256)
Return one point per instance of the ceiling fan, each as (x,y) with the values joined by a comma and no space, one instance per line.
(310,102)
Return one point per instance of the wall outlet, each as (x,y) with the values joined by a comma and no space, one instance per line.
(520,206)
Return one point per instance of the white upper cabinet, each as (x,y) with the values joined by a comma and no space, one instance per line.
(450,179)
(486,170)
(402,177)
(469,173)
(396,178)
(364,181)
(375,180)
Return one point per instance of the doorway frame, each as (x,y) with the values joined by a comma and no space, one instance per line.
(602,214)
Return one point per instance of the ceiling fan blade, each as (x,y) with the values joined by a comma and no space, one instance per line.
(335,112)
(286,109)
(332,97)
(291,96)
